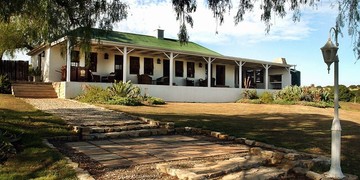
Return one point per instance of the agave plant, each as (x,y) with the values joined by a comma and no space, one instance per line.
(124,89)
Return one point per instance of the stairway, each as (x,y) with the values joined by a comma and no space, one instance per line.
(33,90)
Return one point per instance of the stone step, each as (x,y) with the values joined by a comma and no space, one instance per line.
(211,170)
(107,129)
(126,134)
(260,173)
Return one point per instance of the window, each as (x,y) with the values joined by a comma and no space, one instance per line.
(166,68)
(134,65)
(75,58)
(259,75)
(190,69)
(179,69)
(149,66)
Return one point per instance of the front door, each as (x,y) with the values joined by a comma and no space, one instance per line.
(118,67)
(166,68)
(220,75)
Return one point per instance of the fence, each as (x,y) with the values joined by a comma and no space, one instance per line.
(15,70)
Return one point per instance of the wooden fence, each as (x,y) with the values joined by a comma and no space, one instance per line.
(15,70)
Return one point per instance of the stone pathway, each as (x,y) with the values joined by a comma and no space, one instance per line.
(122,153)
(116,141)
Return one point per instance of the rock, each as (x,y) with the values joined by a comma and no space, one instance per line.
(314,176)
(292,156)
(249,142)
(240,140)
(215,134)
(223,136)
(255,151)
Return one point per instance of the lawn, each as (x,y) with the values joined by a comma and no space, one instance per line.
(34,160)
(298,127)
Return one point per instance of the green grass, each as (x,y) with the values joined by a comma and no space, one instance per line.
(34,159)
(297,127)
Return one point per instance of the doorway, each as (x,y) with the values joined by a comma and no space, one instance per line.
(166,68)
(119,67)
(220,75)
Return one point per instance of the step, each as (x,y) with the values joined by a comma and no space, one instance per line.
(257,173)
(209,170)
(127,134)
(33,90)
(106,129)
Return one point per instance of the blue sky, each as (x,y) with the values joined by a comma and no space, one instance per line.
(298,42)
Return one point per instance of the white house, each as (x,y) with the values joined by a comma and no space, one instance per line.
(161,67)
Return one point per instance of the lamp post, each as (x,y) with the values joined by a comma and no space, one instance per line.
(329,52)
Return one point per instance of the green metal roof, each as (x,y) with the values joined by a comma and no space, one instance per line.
(147,41)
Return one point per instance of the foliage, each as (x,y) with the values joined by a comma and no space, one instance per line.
(344,93)
(251,101)
(266,97)
(7,148)
(289,93)
(94,94)
(119,93)
(127,101)
(5,85)
(36,22)
(124,89)
(348,13)
(153,100)
(249,94)
(356,97)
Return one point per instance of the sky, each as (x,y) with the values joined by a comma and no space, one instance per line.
(298,42)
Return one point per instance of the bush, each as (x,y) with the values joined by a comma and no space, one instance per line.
(249,94)
(153,100)
(118,94)
(344,93)
(289,93)
(5,85)
(116,100)
(266,97)
(124,89)
(94,94)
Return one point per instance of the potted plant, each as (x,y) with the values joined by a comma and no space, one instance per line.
(37,74)
(31,74)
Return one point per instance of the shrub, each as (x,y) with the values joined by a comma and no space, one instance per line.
(266,97)
(344,93)
(153,100)
(124,89)
(5,85)
(250,94)
(117,100)
(289,93)
(94,94)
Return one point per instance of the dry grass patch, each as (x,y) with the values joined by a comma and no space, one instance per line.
(299,127)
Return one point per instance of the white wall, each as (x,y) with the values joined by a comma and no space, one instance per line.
(168,93)
(285,76)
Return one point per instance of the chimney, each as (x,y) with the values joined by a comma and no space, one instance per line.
(160,34)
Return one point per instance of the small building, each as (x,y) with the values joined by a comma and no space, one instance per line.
(161,67)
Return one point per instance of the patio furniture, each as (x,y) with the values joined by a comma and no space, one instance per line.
(189,82)
(144,79)
(94,77)
(109,78)
(162,80)
(203,82)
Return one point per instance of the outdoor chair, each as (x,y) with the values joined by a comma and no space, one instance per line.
(162,80)
(94,77)
(144,79)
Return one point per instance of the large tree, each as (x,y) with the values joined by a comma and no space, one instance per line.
(48,19)
(348,13)
(31,23)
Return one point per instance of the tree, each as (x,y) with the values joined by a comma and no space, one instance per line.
(348,13)
(36,22)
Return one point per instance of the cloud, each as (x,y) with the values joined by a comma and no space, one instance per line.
(146,16)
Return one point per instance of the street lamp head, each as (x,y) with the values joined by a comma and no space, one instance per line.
(329,52)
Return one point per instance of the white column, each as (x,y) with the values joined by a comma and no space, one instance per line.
(209,72)
(68,60)
(125,66)
(240,64)
(171,78)
(266,66)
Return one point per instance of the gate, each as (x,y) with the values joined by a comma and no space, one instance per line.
(15,70)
